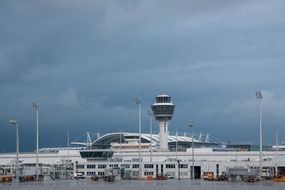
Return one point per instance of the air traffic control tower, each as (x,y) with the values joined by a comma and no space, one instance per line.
(163,111)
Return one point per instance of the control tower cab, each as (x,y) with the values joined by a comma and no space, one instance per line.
(163,111)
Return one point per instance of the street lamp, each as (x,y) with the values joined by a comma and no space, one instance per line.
(193,170)
(16,123)
(178,165)
(138,102)
(120,144)
(150,129)
(276,151)
(259,97)
(36,108)
(176,143)
(67,160)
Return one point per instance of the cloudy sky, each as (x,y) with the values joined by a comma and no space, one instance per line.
(85,61)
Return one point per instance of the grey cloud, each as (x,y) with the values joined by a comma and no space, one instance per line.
(84,62)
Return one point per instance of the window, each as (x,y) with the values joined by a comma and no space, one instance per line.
(102,166)
(80,166)
(101,173)
(91,173)
(183,166)
(125,165)
(136,166)
(170,166)
(91,166)
(148,173)
(148,166)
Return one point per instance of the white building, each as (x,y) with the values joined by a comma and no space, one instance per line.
(121,150)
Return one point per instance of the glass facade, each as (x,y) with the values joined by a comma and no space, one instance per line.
(102,155)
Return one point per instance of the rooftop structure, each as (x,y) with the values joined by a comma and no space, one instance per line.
(182,141)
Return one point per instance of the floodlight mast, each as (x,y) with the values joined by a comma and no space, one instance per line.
(150,113)
(16,123)
(260,97)
(276,152)
(190,125)
(138,102)
(36,108)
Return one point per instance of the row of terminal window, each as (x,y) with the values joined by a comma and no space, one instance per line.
(81,166)
(94,173)
(150,173)
(174,166)
(101,166)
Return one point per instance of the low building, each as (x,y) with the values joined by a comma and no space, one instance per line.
(122,151)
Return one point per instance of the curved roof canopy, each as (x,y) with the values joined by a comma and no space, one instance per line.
(146,138)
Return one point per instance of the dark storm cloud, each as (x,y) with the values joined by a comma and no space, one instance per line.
(85,61)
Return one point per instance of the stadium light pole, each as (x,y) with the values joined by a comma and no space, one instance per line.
(190,125)
(16,123)
(176,144)
(259,97)
(276,152)
(67,161)
(36,108)
(150,129)
(138,102)
(120,144)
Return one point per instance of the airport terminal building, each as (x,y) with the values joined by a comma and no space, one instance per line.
(142,155)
